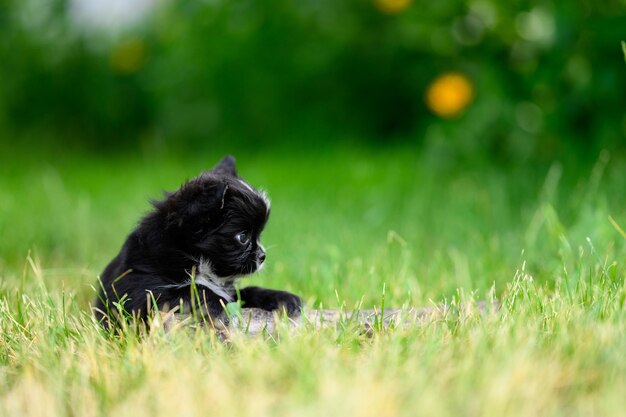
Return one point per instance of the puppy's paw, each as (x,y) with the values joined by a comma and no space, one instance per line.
(287,302)
(271,300)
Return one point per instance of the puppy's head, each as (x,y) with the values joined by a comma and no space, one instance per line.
(218,217)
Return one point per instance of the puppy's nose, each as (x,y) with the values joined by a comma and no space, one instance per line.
(261,256)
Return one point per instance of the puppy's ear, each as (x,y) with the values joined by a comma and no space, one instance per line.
(226,167)
(199,201)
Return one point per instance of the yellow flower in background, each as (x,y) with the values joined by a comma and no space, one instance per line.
(392,6)
(449,94)
(128,56)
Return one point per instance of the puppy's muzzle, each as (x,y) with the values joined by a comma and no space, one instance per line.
(260,256)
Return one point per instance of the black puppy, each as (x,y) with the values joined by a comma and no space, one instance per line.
(206,232)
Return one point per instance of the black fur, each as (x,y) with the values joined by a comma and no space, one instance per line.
(199,224)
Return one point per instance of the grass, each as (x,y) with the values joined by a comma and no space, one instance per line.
(345,224)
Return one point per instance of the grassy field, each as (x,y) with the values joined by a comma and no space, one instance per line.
(545,241)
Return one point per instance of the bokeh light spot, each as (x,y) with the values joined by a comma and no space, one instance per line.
(128,56)
(536,26)
(449,94)
(392,6)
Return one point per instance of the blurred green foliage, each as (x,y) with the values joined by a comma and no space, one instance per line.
(548,77)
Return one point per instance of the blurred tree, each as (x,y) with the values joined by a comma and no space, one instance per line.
(546,76)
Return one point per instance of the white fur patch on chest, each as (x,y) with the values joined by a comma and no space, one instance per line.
(205,277)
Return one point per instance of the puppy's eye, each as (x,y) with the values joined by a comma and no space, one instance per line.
(243,238)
